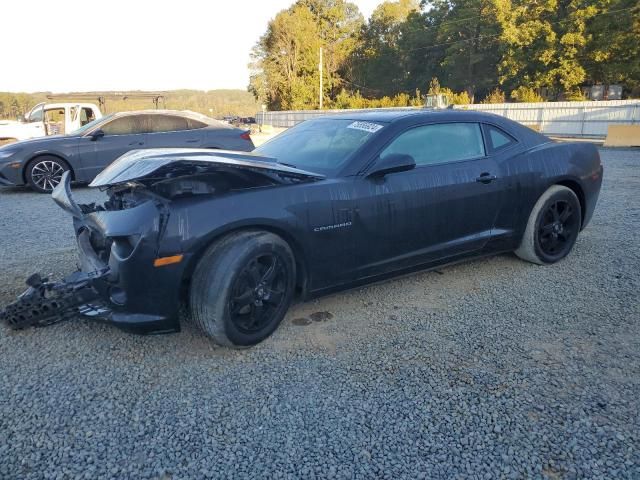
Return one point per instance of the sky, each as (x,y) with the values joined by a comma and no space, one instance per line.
(79,45)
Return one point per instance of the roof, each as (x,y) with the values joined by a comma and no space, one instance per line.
(389,116)
(180,113)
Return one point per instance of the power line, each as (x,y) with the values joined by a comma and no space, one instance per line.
(481,37)
(477,17)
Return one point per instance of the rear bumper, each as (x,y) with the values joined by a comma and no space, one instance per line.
(592,193)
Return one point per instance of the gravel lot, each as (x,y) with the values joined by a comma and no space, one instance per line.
(490,369)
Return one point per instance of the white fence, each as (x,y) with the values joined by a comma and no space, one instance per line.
(562,119)
(289,118)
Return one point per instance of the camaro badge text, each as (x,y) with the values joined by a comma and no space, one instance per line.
(332,227)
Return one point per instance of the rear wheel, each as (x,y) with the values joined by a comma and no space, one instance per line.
(552,228)
(242,288)
(45,173)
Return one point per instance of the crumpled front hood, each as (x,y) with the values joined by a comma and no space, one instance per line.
(138,165)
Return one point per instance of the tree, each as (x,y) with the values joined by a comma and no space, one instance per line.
(470,57)
(613,50)
(284,68)
(543,42)
(418,47)
(377,64)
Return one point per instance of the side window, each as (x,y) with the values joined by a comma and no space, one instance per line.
(498,139)
(167,123)
(129,125)
(439,143)
(86,116)
(195,124)
(37,115)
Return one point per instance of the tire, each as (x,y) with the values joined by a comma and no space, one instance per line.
(242,288)
(552,228)
(45,172)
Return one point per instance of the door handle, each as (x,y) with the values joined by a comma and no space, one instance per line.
(486,177)
(195,140)
(136,143)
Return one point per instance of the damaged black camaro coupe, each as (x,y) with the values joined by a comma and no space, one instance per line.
(331,203)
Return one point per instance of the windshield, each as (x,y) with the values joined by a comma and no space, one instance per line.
(321,145)
(90,125)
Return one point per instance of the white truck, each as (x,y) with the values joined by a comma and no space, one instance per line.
(48,119)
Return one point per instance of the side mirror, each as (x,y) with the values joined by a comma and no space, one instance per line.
(396,162)
(96,134)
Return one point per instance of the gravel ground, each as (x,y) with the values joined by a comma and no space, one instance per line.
(491,369)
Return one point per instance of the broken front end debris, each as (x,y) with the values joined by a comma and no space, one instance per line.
(45,302)
(136,249)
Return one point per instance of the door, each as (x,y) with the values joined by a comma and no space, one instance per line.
(121,135)
(172,131)
(55,120)
(444,207)
(35,122)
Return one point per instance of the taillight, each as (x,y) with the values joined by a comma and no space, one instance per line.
(245,136)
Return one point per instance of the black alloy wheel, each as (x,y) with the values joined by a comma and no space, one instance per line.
(258,292)
(553,226)
(557,229)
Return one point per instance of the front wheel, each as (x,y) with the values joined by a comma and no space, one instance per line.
(552,228)
(45,173)
(242,288)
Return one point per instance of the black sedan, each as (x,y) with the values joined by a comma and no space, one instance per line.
(329,204)
(41,162)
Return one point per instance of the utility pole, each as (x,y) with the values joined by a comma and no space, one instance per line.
(320,67)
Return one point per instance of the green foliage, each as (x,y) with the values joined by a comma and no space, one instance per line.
(434,86)
(613,49)
(461,98)
(495,96)
(574,95)
(213,103)
(345,100)
(284,67)
(378,45)
(526,95)
(467,46)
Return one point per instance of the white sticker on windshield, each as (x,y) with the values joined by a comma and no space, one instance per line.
(365,126)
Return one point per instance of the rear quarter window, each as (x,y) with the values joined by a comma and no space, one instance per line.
(497,138)
(195,124)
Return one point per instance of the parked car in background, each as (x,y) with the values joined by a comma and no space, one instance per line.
(48,119)
(40,163)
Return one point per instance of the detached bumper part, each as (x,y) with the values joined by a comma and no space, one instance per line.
(45,303)
(130,288)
